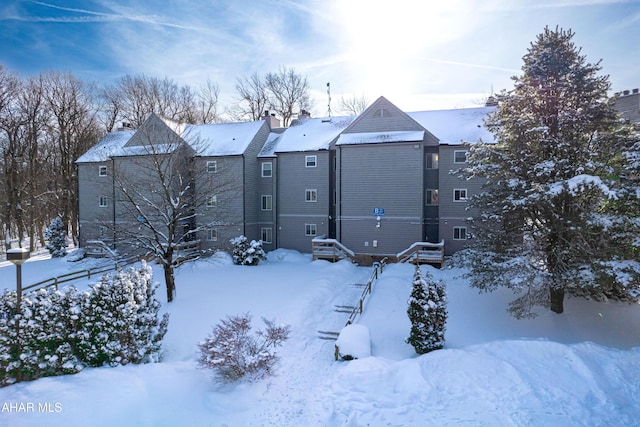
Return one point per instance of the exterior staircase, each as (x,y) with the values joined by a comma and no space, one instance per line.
(423,253)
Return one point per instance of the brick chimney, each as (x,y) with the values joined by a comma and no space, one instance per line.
(271,120)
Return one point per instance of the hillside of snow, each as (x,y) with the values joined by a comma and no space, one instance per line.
(581,368)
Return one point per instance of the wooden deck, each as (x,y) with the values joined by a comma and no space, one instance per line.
(330,250)
(423,253)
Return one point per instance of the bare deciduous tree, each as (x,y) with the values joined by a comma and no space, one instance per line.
(73,128)
(354,104)
(163,190)
(288,93)
(253,98)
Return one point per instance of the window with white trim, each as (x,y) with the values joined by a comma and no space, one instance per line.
(102,171)
(311,195)
(267,170)
(311,161)
(431,161)
(459,233)
(431,197)
(460,195)
(310,229)
(212,234)
(267,202)
(460,156)
(212,166)
(266,235)
(103,202)
(212,201)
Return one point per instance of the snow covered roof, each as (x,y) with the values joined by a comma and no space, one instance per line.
(221,139)
(380,137)
(312,134)
(110,145)
(455,127)
(269,147)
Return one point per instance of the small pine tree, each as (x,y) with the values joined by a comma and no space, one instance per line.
(247,253)
(427,312)
(57,238)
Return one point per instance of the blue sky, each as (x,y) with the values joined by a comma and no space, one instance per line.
(419,54)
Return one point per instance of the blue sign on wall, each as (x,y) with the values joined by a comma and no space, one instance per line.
(378,211)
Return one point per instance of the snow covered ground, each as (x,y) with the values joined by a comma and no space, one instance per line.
(581,368)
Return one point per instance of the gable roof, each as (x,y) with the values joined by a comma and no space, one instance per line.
(109,145)
(222,139)
(455,127)
(312,134)
(383,116)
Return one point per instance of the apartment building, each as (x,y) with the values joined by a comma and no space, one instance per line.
(377,182)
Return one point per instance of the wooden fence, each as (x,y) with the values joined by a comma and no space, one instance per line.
(76,275)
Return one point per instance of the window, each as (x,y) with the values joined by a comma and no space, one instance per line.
(311,161)
(460,195)
(310,229)
(431,197)
(266,202)
(102,171)
(459,156)
(212,166)
(266,235)
(310,195)
(432,161)
(267,170)
(459,233)
(382,112)
(103,201)
(212,234)
(212,201)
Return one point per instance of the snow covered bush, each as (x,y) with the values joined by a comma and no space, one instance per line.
(38,341)
(60,332)
(57,238)
(120,322)
(247,253)
(427,312)
(233,353)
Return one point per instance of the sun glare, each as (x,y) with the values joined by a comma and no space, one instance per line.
(385,39)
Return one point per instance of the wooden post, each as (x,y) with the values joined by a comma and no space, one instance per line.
(336,353)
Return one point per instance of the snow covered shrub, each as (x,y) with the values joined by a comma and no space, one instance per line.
(427,312)
(247,253)
(42,344)
(57,238)
(120,320)
(58,332)
(232,352)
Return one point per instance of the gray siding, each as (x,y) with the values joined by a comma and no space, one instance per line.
(250,182)
(396,120)
(227,184)
(96,222)
(454,213)
(267,186)
(293,212)
(388,176)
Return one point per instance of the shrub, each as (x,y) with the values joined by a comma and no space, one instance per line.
(59,332)
(247,253)
(428,313)
(233,353)
(56,237)
(120,320)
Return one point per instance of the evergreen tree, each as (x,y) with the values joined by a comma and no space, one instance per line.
(247,253)
(427,312)
(551,217)
(57,238)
